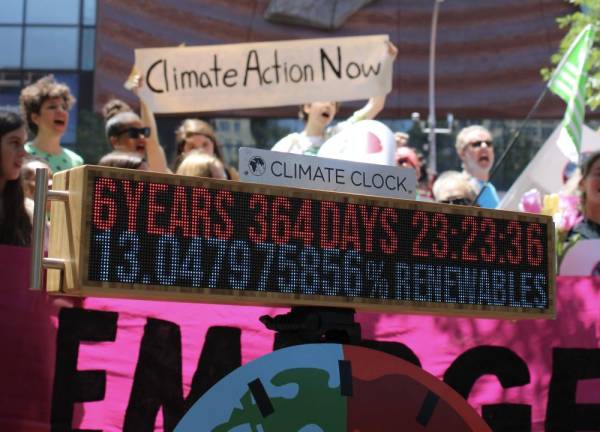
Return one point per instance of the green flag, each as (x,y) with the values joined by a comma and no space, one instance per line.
(568,82)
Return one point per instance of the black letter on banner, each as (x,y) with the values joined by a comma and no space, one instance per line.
(189,75)
(221,354)
(570,365)
(256,67)
(394,348)
(150,86)
(511,371)
(158,377)
(72,386)
(338,71)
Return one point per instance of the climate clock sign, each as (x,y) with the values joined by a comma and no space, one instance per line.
(147,235)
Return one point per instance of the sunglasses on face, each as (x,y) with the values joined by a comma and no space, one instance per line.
(477,144)
(134,132)
(457,201)
(404,162)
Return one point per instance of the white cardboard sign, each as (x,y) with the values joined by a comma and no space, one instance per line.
(310,172)
(264,74)
(583,259)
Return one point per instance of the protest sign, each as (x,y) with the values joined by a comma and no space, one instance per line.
(264,74)
(287,169)
(120,363)
(340,388)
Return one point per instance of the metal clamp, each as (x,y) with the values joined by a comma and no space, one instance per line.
(41,196)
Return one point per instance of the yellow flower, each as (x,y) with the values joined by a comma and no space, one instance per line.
(551,203)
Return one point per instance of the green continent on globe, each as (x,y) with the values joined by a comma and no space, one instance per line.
(314,404)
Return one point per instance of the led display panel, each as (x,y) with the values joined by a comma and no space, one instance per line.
(180,238)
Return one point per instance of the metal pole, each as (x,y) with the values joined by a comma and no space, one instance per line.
(432,165)
(39,221)
(512,142)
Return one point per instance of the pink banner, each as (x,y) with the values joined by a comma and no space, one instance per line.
(138,365)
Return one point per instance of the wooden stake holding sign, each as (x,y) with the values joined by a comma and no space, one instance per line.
(158,236)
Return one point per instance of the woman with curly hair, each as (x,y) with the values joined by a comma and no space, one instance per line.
(15,222)
(45,106)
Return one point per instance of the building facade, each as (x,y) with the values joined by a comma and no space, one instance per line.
(41,37)
(489,54)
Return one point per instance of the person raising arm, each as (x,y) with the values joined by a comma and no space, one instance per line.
(317,117)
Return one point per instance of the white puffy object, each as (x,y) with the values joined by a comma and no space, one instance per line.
(583,259)
(367,141)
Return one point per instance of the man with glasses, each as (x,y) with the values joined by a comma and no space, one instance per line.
(476,150)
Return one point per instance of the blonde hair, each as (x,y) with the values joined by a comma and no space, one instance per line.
(30,163)
(198,164)
(113,107)
(450,181)
(195,126)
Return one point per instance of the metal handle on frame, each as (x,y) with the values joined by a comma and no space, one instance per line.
(41,196)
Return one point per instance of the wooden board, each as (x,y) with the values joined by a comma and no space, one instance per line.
(67,222)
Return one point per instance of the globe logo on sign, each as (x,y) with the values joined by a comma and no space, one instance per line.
(257,165)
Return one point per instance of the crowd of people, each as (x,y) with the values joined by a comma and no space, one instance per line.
(32,140)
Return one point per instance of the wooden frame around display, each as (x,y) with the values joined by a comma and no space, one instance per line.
(70,237)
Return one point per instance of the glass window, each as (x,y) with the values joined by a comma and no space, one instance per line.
(53,12)
(89,12)
(51,48)
(10,50)
(87,48)
(236,126)
(11,12)
(10,89)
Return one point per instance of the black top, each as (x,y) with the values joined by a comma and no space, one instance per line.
(587,229)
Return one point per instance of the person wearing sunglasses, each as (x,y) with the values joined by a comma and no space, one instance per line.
(127,133)
(453,187)
(318,116)
(475,149)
